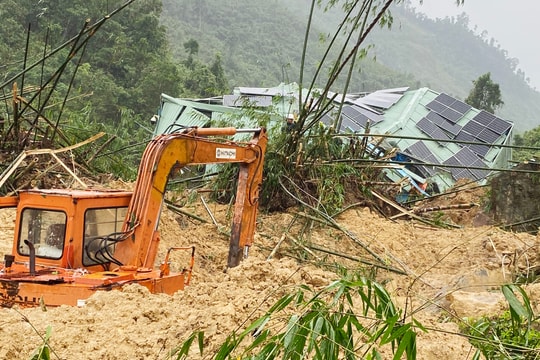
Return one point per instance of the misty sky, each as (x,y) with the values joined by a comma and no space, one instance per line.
(512,23)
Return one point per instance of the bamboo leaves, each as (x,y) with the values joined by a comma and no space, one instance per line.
(345,320)
(513,335)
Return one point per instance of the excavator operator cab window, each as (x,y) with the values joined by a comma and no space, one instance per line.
(45,229)
(101,230)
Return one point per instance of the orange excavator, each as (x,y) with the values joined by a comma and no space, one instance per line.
(71,243)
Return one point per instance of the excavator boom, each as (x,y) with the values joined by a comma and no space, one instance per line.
(171,152)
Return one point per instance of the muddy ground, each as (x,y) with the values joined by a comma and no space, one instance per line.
(451,273)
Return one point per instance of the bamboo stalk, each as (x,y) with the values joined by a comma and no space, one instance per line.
(367,262)
(274,250)
(330,220)
(24,154)
(302,246)
(209,212)
(403,210)
(183,212)
(445,207)
(100,149)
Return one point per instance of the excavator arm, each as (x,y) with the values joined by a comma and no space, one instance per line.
(169,152)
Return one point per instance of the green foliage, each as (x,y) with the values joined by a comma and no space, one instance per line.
(323,325)
(124,143)
(182,351)
(513,335)
(192,47)
(199,79)
(262,50)
(43,352)
(529,140)
(109,79)
(485,94)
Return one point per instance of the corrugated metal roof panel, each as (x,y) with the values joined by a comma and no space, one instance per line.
(177,113)
(243,100)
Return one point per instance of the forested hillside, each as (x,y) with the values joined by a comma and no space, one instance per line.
(261,43)
(73,69)
(123,64)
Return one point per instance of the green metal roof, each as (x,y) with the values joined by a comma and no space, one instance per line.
(178,113)
(445,148)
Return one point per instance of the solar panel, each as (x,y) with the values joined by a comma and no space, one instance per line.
(460,107)
(488,136)
(348,124)
(439,134)
(463,136)
(452,161)
(460,173)
(426,171)
(426,126)
(445,99)
(451,115)
(364,114)
(455,171)
(484,118)
(436,106)
(454,129)
(466,157)
(448,107)
(479,174)
(353,112)
(436,118)
(373,117)
(363,119)
(443,123)
(420,151)
(478,149)
(350,111)
(499,125)
(381,99)
(473,127)
(379,102)
(432,130)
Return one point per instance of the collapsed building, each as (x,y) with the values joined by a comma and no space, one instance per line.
(429,140)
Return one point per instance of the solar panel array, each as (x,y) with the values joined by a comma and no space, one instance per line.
(354,118)
(475,137)
(441,122)
(448,107)
(382,99)
(419,151)
(432,130)
(466,164)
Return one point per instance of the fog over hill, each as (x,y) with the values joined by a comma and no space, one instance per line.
(511,23)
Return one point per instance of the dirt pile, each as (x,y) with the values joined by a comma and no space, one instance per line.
(450,273)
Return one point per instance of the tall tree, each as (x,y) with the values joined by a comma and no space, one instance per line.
(219,73)
(485,94)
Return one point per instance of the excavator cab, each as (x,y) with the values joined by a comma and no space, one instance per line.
(72,229)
